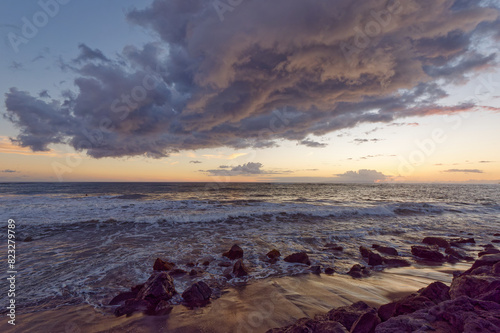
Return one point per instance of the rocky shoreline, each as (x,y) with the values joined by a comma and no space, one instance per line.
(476,291)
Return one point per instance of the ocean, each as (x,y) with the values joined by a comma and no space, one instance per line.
(92,241)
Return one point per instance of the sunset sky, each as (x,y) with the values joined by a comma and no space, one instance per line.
(250,90)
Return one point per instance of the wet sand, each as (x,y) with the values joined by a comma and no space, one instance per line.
(254,307)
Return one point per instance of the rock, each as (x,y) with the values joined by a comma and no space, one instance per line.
(311,325)
(385,250)
(235,252)
(488,251)
(131,306)
(348,315)
(473,285)
(121,298)
(439,241)
(489,246)
(197,295)
(239,269)
(163,308)
(459,241)
(159,286)
(451,259)
(177,271)
(206,263)
(190,264)
(333,247)
(161,265)
(496,235)
(427,253)
(300,258)
(366,323)
(374,259)
(437,292)
(137,288)
(357,271)
(315,269)
(28,239)
(396,262)
(224,264)
(458,254)
(329,270)
(273,254)
(195,272)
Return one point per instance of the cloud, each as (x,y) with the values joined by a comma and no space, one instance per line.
(486,161)
(248,169)
(16,65)
(464,170)
(361,176)
(195,162)
(269,71)
(8,171)
(360,141)
(312,144)
(224,167)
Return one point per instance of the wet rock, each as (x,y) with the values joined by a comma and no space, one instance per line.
(457,242)
(437,292)
(161,265)
(458,254)
(235,252)
(300,258)
(224,264)
(311,325)
(195,272)
(329,270)
(197,295)
(373,259)
(163,308)
(385,250)
(489,246)
(131,306)
(366,323)
(177,271)
(357,271)
(206,263)
(28,239)
(396,262)
(121,298)
(273,254)
(159,286)
(493,241)
(427,253)
(439,241)
(451,259)
(488,251)
(239,269)
(496,235)
(190,264)
(473,285)
(486,260)
(333,247)
(348,315)
(137,288)
(315,269)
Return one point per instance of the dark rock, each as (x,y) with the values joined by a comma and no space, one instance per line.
(301,258)
(458,254)
(195,272)
(206,263)
(235,252)
(385,250)
(161,265)
(137,288)
(177,271)
(473,285)
(496,235)
(273,254)
(131,306)
(358,271)
(396,262)
(451,259)
(459,241)
(333,247)
(310,325)
(374,259)
(486,260)
(239,269)
(488,251)
(121,298)
(315,269)
(329,270)
(439,241)
(436,292)
(163,308)
(366,323)
(224,264)
(28,239)
(427,253)
(190,264)
(348,315)
(489,246)
(197,295)
(159,286)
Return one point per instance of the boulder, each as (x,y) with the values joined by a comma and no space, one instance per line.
(396,262)
(329,270)
(486,260)
(195,272)
(366,323)
(458,254)
(159,286)
(301,258)
(239,269)
(177,271)
(488,251)
(163,308)
(427,253)
(133,305)
(348,315)
(273,254)
(439,241)
(357,271)
(161,265)
(197,295)
(235,252)
(316,269)
(373,259)
(460,241)
(473,285)
(333,247)
(385,250)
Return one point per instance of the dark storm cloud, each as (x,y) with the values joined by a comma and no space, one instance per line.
(271,70)
(464,170)
(312,144)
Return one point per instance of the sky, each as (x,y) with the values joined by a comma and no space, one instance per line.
(344,91)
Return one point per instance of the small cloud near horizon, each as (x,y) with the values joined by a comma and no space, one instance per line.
(195,162)
(312,144)
(464,170)
(8,171)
